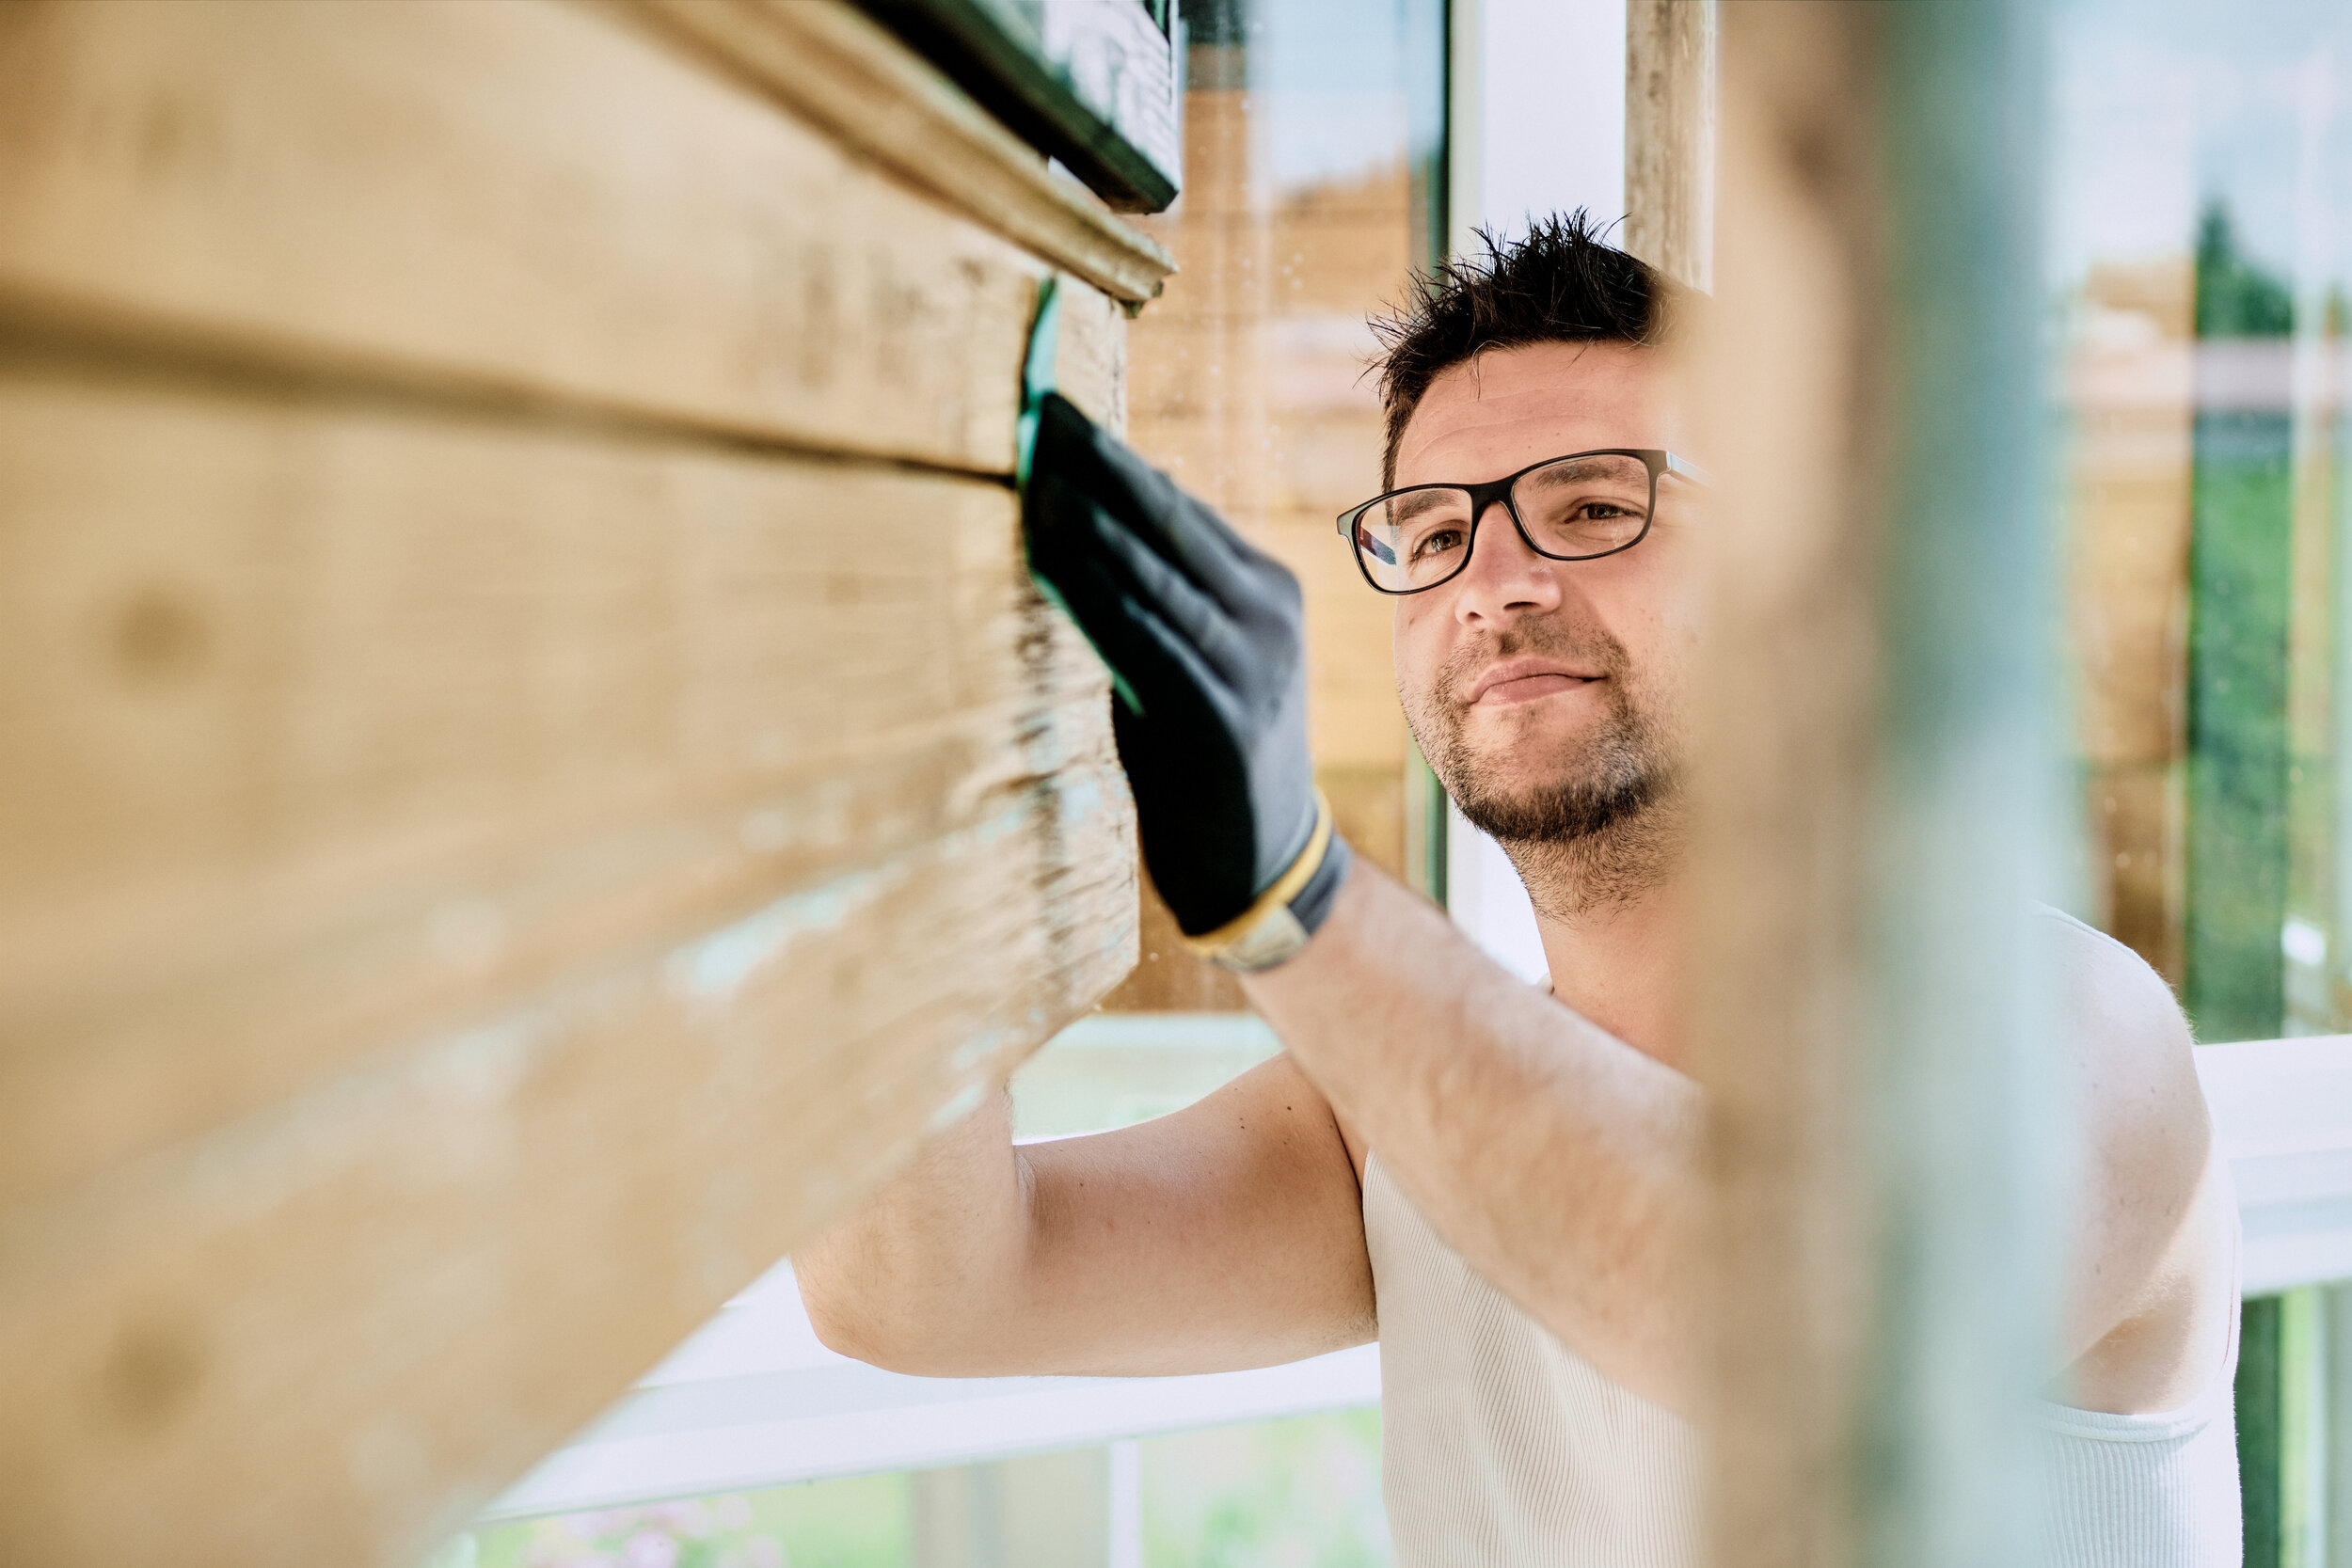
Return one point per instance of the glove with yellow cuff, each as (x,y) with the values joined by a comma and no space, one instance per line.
(1202,632)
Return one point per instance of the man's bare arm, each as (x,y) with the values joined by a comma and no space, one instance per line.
(1563,1164)
(1227,1235)
(1566,1166)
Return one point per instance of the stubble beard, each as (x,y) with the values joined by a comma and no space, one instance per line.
(1603,822)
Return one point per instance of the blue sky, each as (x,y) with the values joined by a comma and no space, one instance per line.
(1339,77)
(2160,107)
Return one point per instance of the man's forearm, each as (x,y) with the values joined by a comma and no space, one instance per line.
(1563,1164)
(912,1280)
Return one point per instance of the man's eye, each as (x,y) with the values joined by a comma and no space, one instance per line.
(1437,542)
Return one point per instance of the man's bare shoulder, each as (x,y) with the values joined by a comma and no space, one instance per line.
(2150,1275)
(2121,1016)
(2143,1119)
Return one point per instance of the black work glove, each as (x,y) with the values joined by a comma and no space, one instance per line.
(1203,636)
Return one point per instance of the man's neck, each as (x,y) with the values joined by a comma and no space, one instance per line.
(1614,959)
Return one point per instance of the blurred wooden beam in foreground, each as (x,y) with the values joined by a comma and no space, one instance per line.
(1875,788)
(535,769)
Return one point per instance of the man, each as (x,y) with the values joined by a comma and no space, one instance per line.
(1503,1185)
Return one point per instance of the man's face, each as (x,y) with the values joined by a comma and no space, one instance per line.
(1549,695)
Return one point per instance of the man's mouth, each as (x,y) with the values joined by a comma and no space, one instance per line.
(1525,680)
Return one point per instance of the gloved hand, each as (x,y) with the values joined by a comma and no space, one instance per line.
(1203,636)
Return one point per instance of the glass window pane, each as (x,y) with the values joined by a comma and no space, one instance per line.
(1312,129)
(2201,234)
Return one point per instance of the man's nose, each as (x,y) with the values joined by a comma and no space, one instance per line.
(1503,578)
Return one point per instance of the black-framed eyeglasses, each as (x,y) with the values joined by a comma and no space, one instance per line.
(1580,507)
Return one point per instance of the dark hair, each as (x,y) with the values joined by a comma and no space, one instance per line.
(1561,283)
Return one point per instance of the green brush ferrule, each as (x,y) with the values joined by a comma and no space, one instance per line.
(1036,375)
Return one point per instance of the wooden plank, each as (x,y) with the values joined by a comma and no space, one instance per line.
(1871,834)
(1094,90)
(842,70)
(1670,136)
(469,899)
(331,728)
(533,202)
(330,1332)
(511,820)
(1780,866)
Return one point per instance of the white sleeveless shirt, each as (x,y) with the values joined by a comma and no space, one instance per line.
(1501,1447)
(2145,1491)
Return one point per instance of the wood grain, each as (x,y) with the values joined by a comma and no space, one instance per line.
(1887,1057)
(832,64)
(330,1332)
(1781,950)
(534,202)
(470,896)
(535,773)
(1670,137)
(327,723)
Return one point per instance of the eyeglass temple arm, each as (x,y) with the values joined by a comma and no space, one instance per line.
(1685,468)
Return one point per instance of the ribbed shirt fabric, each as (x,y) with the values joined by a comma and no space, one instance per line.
(1501,1447)
(2145,1491)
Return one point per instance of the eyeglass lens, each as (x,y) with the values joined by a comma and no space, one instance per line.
(1573,509)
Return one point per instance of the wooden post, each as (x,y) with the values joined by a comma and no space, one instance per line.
(1670,136)
(1779,951)
(1871,785)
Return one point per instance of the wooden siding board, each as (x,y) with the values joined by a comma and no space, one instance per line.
(464,709)
(497,197)
(829,61)
(327,1332)
(399,1056)
(537,774)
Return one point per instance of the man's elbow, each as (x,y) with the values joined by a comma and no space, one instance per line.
(895,1340)
(848,1324)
